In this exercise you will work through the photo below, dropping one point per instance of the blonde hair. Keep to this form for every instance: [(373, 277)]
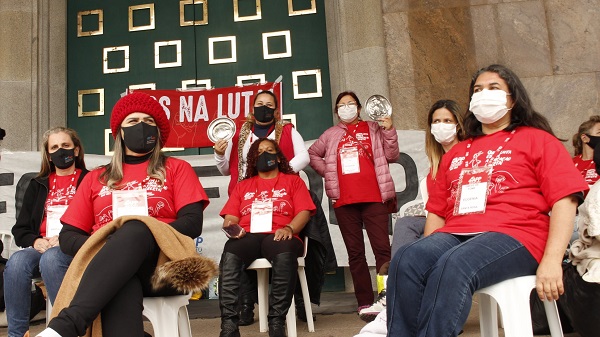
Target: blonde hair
[(433, 149), (113, 173), (47, 166), (584, 128)]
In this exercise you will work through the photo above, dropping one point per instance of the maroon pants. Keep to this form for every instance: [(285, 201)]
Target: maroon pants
[(374, 217)]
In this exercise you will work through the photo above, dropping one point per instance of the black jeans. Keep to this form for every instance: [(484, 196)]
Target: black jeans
[(114, 284)]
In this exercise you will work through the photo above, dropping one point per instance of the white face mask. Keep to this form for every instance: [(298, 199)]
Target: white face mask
[(348, 113), (444, 133), (489, 106)]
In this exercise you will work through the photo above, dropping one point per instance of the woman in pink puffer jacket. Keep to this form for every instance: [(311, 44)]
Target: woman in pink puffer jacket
[(353, 158)]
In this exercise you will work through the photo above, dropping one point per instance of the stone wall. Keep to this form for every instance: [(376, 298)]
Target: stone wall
[(433, 48), (32, 70)]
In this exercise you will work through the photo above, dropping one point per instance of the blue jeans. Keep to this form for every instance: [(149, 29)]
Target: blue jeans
[(23, 266), (407, 229), (431, 281)]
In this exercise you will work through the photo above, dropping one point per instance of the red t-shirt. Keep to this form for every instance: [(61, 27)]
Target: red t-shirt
[(61, 190), (587, 169), (92, 206), (288, 192), (531, 174), (361, 186)]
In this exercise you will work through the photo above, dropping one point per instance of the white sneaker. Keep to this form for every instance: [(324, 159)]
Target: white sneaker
[(48, 333), (368, 314)]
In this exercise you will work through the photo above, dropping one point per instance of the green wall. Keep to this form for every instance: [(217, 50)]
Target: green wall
[(85, 56)]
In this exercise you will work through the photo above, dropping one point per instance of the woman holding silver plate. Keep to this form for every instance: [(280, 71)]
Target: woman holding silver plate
[(356, 151), (264, 121)]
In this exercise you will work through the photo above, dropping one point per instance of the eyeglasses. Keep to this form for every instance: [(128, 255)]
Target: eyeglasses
[(349, 104)]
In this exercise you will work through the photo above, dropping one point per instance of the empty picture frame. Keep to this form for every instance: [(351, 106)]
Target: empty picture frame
[(236, 12), (98, 31), (106, 51), (206, 84), (288, 45), (149, 26), (319, 87), (183, 22), (158, 45), (211, 50), (256, 78), (80, 107), (311, 10)]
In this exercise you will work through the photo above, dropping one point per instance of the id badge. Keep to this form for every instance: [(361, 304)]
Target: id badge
[(349, 159), (472, 192), (53, 215), (130, 202), (261, 220)]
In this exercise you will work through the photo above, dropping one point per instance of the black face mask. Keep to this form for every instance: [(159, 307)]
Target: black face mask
[(594, 140), (266, 162), (264, 114), (140, 138), (597, 158), (63, 158)]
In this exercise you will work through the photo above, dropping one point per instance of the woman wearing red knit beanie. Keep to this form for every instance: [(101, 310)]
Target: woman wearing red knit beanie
[(139, 180)]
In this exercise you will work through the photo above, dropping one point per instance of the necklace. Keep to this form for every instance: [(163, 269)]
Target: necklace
[(491, 160), (70, 191)]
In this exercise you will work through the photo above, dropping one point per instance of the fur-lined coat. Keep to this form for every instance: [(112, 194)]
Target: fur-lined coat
[(178, 265)]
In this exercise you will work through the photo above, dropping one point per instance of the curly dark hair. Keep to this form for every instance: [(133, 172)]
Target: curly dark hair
[(522, 113), (251, 171)]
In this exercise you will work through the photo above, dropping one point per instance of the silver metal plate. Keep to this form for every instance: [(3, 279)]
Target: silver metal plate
[(378, 106), (222, 128)]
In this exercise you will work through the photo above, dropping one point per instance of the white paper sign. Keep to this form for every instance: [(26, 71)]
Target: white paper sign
[(53, 215), (130, 202), (261, 219)]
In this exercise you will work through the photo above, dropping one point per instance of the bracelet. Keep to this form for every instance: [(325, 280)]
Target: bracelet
[(290, 227)]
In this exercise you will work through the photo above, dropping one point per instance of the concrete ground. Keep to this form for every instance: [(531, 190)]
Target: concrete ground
[(336, 317)]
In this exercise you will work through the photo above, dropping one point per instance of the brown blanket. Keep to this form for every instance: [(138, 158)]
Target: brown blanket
[(178, 265)]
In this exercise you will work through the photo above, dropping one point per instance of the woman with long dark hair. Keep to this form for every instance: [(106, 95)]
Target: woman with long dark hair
[(271, 205), (489, 213)]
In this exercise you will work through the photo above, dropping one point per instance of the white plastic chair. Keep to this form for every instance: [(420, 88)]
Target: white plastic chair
[(9, 243), (168, 315), (262, 269), (512, 296)]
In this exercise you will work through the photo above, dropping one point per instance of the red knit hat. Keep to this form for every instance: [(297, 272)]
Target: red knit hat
[(140, 102)]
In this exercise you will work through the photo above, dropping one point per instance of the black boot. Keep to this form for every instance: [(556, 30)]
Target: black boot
[(248, 297), (230, 273), (283, 283)]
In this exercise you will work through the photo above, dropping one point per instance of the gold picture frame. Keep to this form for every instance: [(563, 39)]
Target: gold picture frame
[(149, 26), (81, 93), (183, 22), (142, 86), (100, 29), (311, 10)]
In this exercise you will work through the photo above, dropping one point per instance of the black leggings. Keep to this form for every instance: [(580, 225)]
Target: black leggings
[(114, 284), (258, 245)]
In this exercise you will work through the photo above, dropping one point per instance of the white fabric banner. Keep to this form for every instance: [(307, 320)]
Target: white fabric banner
[(212, 240)]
